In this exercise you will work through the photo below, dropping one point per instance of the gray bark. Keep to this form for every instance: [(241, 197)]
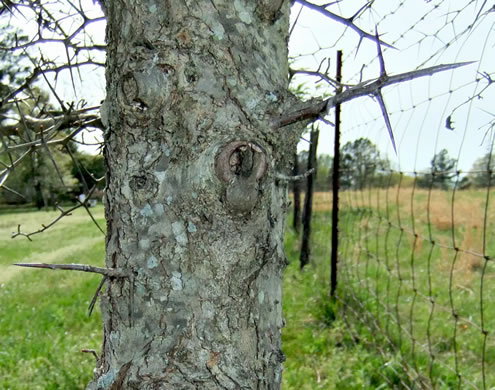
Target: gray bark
[(194, 216)]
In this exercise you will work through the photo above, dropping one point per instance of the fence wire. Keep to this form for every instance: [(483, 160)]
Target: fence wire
[(416, 258), (416, 267)]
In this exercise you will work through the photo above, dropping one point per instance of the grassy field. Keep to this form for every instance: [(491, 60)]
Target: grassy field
[(43, 314), (44, 323)]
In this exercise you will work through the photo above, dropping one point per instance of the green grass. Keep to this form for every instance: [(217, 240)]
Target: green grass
[(44, 323), (323, 351), (43, 314), (328, 345), (429, 300)]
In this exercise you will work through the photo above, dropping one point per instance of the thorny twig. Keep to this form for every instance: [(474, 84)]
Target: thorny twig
[(91, 351), (95, 296), (108, 272), (63, 213), (85, 205), (314, 109), (294, 178), (379, 95), (349, 22)]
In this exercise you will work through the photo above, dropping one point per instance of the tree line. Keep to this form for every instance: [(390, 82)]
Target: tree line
[(362, 166), (35, 180)]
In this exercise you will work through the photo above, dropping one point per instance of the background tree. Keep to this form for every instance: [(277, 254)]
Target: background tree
[(360, 164), (89, 170), (296, 192), (482, 172), (13, 67), (324, 173), (37, 180), (45, 177), (312, 163), (442, 172)]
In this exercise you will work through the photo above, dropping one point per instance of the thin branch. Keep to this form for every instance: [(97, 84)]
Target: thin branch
[(63, 213), (37, 71), (304, 175), (295, 22), (4, 187), (313, 110), (108, 272), (349, 22), (322, 76), (95, 297), (85, 205), (91, 351), (50, 156), (60, 122), (5, 172)]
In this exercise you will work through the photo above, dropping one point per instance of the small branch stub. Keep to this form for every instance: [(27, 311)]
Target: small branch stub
[(234, 157), (241, 165)]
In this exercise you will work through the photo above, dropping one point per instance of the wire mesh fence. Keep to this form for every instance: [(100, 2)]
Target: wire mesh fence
[(417, 268), (416, 258), (416, 255)]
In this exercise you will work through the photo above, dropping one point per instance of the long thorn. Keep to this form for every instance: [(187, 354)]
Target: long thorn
[(109, 272), (381, 102)]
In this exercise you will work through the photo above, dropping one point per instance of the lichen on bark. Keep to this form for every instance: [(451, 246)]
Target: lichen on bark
[(202, 306)]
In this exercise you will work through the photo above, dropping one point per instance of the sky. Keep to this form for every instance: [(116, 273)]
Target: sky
[(422, 32)]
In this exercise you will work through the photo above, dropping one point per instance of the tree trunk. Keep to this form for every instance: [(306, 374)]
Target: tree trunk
[(296, 191), (195, 218), (308, 201), (38, 195)]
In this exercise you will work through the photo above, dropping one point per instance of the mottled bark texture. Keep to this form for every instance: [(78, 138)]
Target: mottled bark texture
[(195, 216)]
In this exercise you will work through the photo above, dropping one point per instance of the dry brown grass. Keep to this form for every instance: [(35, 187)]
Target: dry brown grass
[(422, 209)]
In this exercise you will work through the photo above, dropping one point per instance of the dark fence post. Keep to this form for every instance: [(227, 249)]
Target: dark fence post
[(308, 200), (296, 191), (335, 186)]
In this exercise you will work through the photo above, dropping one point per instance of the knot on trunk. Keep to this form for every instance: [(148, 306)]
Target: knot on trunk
[(240, 165)]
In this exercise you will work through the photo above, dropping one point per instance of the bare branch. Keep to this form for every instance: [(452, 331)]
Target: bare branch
[(50, 156), (91, 351), (5, 172), (294, 178), (60, 122), (38, 71), (349, 22), (4, 187), (85, 205), (63, 213), (295, 22), (108, 272), (322, 76), (95, 297), (313, 110)]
